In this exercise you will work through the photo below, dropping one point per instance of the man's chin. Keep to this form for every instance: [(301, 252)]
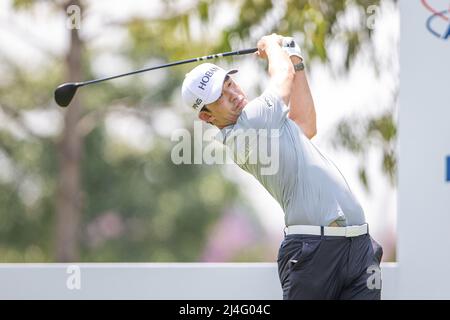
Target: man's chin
[(242, 106), (235, 119)]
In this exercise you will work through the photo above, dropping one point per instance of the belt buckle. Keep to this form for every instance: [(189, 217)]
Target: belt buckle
[(351, 231)]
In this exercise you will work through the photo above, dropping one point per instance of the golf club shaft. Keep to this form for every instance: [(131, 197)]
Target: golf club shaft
[(212, 56)]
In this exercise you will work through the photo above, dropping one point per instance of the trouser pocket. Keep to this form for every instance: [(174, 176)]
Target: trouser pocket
[(295, 260), (295, 254), (305, 255)]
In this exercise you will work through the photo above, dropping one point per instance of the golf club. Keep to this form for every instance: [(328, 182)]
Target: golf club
[(65, 92)]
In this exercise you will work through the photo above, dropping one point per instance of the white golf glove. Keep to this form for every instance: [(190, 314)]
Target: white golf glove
[(291, 47)]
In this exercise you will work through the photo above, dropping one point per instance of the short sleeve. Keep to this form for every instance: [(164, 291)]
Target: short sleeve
[(268, 111)]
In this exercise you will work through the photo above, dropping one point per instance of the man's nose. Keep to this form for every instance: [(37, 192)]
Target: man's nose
[(233, 94)]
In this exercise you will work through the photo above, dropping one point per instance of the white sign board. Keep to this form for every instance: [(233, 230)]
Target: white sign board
[(424, 149)]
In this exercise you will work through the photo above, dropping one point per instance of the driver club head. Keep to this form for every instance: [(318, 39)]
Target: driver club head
[(64, 93)]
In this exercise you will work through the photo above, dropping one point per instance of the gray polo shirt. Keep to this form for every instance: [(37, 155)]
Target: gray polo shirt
[(309, 187)]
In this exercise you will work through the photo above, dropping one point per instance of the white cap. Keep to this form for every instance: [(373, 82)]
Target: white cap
[(203, 85)]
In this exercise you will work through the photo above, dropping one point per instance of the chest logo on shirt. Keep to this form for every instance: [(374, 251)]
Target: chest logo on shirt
[(269, 104)]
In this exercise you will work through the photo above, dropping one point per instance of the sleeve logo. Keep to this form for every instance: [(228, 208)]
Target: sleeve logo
[(268, 102)]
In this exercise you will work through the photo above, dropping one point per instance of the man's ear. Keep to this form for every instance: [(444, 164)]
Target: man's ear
[(206, 116)]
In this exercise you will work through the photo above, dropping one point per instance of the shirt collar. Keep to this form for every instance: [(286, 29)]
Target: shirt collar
[(223, 133)]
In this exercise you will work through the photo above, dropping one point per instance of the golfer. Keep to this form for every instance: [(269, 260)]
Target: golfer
[(327, 252)]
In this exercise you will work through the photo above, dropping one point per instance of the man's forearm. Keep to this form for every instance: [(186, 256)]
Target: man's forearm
[(281, 71), (302, 110)]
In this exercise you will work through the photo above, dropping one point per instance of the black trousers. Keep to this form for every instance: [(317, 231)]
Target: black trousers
[(330, 267)]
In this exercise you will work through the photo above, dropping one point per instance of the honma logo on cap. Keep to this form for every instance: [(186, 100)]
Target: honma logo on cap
[(206, 77), (202, 85)]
